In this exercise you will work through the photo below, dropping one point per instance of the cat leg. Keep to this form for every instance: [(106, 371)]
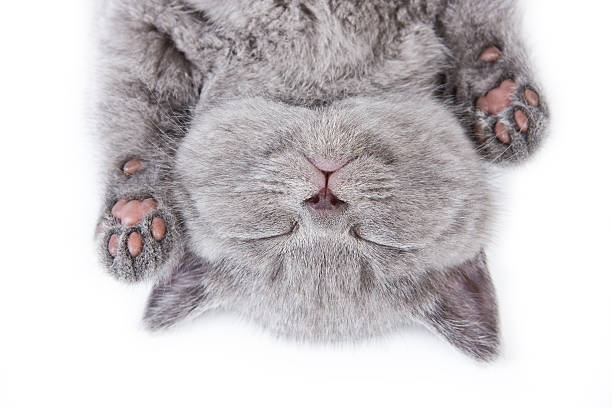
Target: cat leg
[(491, 81), (149, 87)]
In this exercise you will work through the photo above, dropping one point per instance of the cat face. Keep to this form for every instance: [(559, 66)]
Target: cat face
[(380, 182)]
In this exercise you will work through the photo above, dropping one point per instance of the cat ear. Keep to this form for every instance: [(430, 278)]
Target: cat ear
[(464, 310), (184, 294)]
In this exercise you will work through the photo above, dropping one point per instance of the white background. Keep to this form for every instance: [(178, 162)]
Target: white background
[(71, 335)]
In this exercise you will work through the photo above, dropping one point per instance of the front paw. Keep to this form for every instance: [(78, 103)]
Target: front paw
[(509, 118), (508, 121), (137, 235)]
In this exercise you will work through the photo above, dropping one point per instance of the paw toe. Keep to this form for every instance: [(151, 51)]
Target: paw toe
[(135, 244), (522, 122), (532, 98), (501, 131), (113, 245), (158, 228)]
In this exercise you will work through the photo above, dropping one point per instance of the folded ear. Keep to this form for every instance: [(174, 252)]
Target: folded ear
[(463, 308), (184, 294)]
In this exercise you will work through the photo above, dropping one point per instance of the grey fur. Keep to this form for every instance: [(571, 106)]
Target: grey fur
[(226, 101)]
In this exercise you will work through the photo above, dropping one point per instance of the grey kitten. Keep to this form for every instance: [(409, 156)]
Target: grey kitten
[(318, 166)]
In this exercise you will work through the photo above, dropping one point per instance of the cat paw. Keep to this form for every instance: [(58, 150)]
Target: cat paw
[(131, 214), (135, 236), (510, 118)]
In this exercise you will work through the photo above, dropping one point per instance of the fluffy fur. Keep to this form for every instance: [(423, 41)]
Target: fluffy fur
[(226, 101)]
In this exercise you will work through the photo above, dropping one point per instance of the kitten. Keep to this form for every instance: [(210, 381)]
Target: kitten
[(317, 166)]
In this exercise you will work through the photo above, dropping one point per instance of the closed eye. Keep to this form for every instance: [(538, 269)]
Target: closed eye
[(294, 228), (354, 231)]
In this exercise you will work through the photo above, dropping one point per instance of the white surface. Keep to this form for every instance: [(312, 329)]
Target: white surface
[(71, 335)]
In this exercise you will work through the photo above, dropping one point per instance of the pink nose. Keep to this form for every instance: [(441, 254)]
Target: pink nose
[(324, 200)]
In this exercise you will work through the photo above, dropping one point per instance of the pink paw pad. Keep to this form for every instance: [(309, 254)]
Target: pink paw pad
[(522, 122), (134, 244), (497, 99), (491, 54), (158, 228), (131, 213), (113, 245), (132, 167), (501, 131), (532, 98)]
